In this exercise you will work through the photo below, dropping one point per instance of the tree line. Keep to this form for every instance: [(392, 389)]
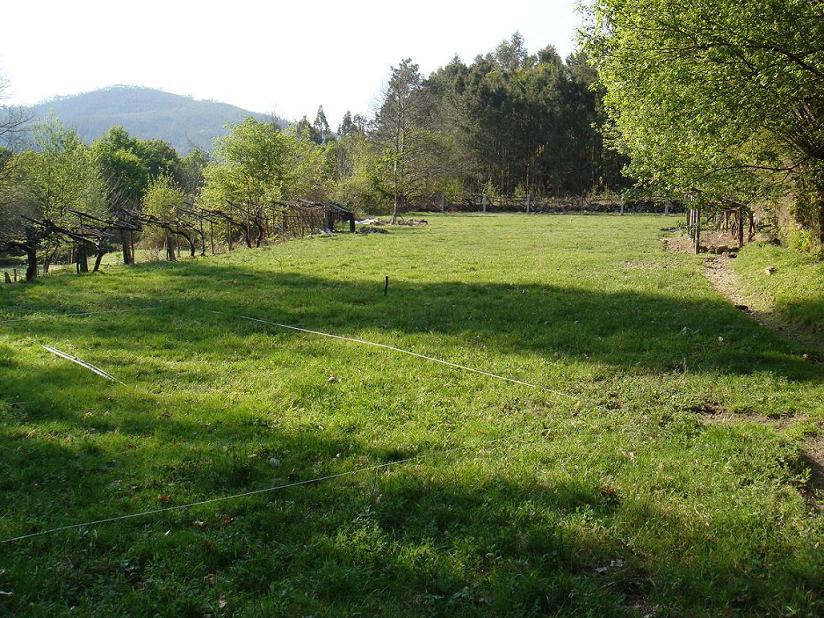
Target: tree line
[(509, 124)]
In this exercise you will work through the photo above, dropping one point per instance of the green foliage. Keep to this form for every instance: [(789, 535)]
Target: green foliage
[(250, 166), (191, 170), (521, 119), (129, 164), (61, 176), (719, 98), (163, 198)]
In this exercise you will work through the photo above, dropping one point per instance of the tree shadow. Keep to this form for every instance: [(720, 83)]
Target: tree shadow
[(628, 330)]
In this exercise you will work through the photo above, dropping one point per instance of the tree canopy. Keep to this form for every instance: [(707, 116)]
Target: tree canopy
[(719, 99)]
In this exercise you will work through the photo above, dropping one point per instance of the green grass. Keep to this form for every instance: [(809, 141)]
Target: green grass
[(794, 290), (632, 497)]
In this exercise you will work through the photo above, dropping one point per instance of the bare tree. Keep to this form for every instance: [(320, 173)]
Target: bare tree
[(13, 119)]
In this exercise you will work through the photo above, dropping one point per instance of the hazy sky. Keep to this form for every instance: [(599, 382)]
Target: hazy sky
[(283, 57)]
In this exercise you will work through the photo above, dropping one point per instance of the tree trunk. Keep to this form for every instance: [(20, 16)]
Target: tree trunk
[(128, 254), (82, 258), (740, 227), (170, 248), (100, 253), (697, 238), (31, 262)]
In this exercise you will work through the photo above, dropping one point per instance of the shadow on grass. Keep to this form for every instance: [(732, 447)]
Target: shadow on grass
[(629, 330), (414, 544)]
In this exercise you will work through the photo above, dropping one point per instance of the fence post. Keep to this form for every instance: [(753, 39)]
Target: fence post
[(740, 226)]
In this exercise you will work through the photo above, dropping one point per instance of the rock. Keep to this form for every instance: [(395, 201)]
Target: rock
[(274, 462)]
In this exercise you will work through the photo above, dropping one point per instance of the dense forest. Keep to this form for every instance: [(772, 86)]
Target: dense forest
[(714, 105)]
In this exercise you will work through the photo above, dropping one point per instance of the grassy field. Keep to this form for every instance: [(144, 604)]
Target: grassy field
[(794, 289), (671, 483)]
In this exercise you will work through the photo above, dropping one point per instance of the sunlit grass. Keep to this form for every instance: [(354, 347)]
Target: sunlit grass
[(630, 496)]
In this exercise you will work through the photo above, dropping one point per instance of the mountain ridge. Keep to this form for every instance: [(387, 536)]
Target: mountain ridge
[(147, 113)]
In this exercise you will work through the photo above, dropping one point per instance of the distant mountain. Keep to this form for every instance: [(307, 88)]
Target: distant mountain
[(145, 113)]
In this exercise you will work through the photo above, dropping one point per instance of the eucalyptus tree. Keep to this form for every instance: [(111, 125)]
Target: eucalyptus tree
[(410, 149), (321, 127)]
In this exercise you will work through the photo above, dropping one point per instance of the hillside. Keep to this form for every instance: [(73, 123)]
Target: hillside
[(182, 121)]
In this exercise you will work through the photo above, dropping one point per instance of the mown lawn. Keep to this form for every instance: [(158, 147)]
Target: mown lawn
[(672, 483)]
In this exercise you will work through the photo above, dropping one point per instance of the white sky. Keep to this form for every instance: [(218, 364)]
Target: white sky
[(283, 57)]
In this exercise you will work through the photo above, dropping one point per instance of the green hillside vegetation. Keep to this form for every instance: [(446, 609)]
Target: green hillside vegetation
[(146, 113)]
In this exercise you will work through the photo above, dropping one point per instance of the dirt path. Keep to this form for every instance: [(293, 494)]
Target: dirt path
[(718, 269)]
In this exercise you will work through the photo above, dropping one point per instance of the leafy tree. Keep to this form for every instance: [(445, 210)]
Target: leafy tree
[(404, 136), (250, 173), (51, 195), (129, 165), (191, 170), (719, 99), (347, 125), (165, 206), (322, 132)]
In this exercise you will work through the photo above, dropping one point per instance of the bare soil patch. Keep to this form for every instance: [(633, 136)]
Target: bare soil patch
[(813, 458)]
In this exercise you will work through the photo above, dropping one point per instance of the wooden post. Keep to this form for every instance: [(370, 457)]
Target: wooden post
[(14, 270), (697, 215), (352, 223), (740, 226), (6, 276), (443, 202)]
